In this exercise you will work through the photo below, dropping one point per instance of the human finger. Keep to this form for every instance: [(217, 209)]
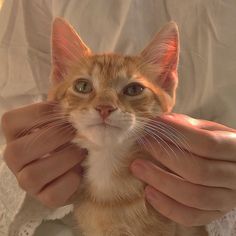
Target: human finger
[(33, 177), (17, 120), (192, 195), (58, 192), (178, 212), (201, 142), (26, 149), (200, 123), (193, 168)]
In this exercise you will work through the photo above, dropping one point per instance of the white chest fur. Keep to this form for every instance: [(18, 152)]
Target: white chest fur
[(102, 166)]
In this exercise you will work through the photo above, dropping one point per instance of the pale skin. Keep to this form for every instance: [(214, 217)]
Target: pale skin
[(53, 180), (204, 186), (202, 190)]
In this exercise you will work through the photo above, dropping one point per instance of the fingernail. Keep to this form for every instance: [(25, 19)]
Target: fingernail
[(79, 169), (168, 116), (139, 167), (83, 152)]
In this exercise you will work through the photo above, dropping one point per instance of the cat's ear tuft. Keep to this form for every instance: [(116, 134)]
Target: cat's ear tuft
[(162, 55), (67, 48)]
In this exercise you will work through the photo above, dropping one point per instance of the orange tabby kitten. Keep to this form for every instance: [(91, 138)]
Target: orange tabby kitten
[(109, 98)]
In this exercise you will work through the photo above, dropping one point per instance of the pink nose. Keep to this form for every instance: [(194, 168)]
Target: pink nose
[(105, 110)]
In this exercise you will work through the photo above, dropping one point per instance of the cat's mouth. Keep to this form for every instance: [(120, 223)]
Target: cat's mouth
[(103, 125)]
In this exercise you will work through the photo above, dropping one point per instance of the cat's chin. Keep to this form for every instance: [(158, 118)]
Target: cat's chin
[(104, 134)]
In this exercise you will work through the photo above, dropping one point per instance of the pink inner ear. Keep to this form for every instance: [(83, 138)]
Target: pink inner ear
[(169, 63), (170, 57), (65, 54), (162, 54), (67, 48)]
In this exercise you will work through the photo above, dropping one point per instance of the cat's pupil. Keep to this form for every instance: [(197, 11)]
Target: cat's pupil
[(133, 89)]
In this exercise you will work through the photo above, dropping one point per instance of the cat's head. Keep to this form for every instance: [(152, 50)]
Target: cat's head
[(111, 96)]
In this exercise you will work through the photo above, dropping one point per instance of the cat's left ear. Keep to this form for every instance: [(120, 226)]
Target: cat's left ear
[(161, 55), (67, 48)]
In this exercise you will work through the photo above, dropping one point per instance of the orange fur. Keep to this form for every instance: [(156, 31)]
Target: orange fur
[(111, 200)]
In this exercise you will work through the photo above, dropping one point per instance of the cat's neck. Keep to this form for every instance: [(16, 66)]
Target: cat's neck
[(107, 176)]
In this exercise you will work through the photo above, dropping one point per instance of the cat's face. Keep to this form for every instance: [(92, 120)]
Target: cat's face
[(110, 97)]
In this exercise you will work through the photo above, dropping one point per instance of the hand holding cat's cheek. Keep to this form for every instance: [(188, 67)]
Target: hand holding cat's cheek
[(207, 186), (53, 178)]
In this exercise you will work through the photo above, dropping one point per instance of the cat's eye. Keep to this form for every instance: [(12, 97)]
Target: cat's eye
[(83, 86), (133, 89)]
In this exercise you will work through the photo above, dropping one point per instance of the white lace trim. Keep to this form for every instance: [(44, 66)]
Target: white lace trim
[(11, 197), (225, 226), (31, 216)]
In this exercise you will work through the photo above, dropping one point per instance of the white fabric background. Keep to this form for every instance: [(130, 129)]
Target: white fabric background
[(207, 68)]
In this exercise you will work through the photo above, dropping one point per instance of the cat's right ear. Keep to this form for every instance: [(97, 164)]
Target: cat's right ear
[(161, 56), (67, 48)]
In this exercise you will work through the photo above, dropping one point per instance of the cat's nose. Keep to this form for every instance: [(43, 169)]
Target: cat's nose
[(105, 110)]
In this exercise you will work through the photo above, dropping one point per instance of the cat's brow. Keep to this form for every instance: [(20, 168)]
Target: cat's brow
[(109, 64)]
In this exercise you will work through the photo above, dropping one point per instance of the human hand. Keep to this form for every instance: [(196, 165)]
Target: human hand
[(40, 154), (200, 185)]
